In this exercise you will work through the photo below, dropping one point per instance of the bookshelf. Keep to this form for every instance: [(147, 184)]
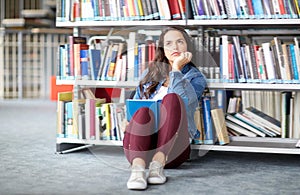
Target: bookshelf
[(237, 26)]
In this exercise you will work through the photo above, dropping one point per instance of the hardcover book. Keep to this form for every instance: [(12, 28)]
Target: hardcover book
[(132, 105), (220, 126)]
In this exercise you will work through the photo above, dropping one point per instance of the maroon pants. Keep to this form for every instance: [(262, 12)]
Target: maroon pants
[(172, 138)]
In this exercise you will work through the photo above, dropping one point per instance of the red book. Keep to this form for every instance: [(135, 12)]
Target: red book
[(174, 9), (249, 4), (281, 6)]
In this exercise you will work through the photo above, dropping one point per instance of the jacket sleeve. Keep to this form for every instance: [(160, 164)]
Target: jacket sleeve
[(189, 87)]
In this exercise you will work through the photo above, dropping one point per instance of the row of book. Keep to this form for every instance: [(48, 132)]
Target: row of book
[(241, 60), (89, 118), (92, 118), (114, 60), (218, 122), (281, 105), (227, 59), (107, 10)]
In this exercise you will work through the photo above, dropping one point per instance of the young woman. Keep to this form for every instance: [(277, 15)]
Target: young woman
[(171, 78)]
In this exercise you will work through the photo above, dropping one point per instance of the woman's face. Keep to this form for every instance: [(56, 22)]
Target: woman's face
[(174, 44)]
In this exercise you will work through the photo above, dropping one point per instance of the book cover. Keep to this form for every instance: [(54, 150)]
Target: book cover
[(132, 105), (95, 62), (207, 120), (175, 9), (220, 126), (258, 9)]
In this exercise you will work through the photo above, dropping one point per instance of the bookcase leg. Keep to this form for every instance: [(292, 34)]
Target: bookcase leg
[(64, 148)]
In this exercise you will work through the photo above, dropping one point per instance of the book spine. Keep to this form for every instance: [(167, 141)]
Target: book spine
[(208, 128), (175, 10)]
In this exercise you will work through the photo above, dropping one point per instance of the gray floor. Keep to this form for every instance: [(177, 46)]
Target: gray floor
[(29, 164)]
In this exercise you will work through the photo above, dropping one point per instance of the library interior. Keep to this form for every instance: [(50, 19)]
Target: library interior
[(75, 73)]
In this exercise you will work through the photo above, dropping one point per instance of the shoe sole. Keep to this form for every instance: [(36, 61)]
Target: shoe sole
[(156, 181), (136, 187)]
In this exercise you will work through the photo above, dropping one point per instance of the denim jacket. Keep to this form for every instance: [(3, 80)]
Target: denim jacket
[(189, 83)]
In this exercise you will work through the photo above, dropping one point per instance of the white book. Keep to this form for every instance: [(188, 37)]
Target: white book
[(254, 124), (130, 55), (166, 8), (263, 120), (240, 129), (268, 60), (224, 55), (245, 125), (280, 58)]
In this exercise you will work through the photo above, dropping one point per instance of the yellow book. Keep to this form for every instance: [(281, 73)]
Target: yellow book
[(140, 7), (220, 125)]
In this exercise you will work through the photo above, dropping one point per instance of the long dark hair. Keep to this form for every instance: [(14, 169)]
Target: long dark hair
[(159, 69)]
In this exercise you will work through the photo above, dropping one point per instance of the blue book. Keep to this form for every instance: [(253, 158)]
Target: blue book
[(207, 121), (84, 63), (258, 9), (95, 62), (69, 119), (294, 62), (132, 105)]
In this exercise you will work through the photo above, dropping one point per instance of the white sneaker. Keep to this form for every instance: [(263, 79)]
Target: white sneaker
[(156, 173), (137, 180)]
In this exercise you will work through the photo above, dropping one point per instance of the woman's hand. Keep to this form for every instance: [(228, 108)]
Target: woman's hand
[(181, 60)]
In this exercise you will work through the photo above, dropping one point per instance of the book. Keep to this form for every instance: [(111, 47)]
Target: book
[(240, 129), (72, 41), (174, 9), (62, 99), (207, 120), (69, 120), (244, 124), (269, 61), (241, 116), (95, 62), (198, 118), (90, 112), (220, 126), (265, 119), (132, 105), (84, 63)]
